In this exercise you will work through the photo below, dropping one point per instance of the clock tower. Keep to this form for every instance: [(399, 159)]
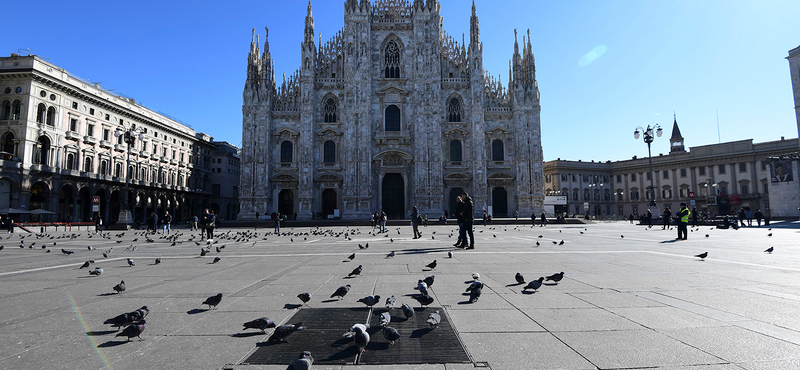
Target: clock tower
[(676, 140)]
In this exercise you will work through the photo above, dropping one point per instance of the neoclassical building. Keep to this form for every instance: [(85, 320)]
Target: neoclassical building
[(60, 151), (390, 113)]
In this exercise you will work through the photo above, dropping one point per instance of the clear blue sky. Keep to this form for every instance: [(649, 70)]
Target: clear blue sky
[(604, 67)]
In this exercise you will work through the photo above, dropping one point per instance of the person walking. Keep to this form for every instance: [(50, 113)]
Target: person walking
[(544, 219), (372, 220), (416, 219), (683, 221), (97, 223), (212, 220), (278, 223), (154, 220), (204, 225), (468, 214), (742, 214), (485, 217), (167, 223), (382, 221), (667, 215), (194, 223), (461, 242), (694, 216), (425, 221), (533, 219), (749, 215), (759, 216), (516, 215)]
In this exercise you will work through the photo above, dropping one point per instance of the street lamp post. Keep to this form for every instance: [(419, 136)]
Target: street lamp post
[(129, 136), (648, 138)]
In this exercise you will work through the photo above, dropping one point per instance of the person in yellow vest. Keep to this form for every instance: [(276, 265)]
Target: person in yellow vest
[(683, 221)]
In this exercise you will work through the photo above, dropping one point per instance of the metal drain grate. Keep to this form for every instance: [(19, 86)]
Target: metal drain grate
[(323, 338)]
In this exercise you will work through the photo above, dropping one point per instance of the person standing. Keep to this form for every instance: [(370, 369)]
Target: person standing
[(204, 225), (544, 219), (167, 223), (485, 217), (683, 221), (425, 221), (382, 221), (667, 215), (372, 221), (468, 213), (97, 223), (461, 242), (749, 215), (516, 215), (154, 220), (416, 219), (278, 223), (533, 219), (212, 220), (759, 216), (694, 216), (194, 223)]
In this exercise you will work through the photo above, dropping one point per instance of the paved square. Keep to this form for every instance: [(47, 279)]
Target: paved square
[(642, 301)]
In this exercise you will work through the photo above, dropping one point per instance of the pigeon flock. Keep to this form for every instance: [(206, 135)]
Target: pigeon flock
[(132, 324)]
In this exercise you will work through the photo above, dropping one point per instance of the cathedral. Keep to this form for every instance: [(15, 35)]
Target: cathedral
[(389, 113)]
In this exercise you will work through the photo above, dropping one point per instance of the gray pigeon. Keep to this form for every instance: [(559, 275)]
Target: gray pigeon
[(390, 302), (407, 311), (390, 334), (283, 331), (130, 262), (85, 265), (422, 287), (361, 337), (431, 265), (475, 289), (341, 292), (158, 260), (216, 259), (134, 330), (303, 362), (96, 272), (356, 271), (124, 319), (119, 288), (556, 277), (769, 250), (519, 278), (390, 255), (429, 280), (385, 319), (370, 300), (213, 300), (305, 297), (424, 300), (262, 324), (535, 285), (434, 319), (702, 256)]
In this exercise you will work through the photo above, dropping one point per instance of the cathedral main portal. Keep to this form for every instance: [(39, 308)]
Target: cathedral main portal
[(393, 194)]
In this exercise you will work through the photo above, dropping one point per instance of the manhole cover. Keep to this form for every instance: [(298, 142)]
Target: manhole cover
[(323, 338)]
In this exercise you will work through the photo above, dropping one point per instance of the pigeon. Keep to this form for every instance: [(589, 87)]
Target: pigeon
[(390, 302), (96, 272), (216, 259), (561, 243), (423, 299), (449, 254), (351, 257), (702, 256), (434, 319), (341, 291), (555, 242), (361, 337), (385, 318), (303, 362), (370, 300), (519, 278), (476, 276), (769, 250), (158, 260), (283, 331), (356, 271), (431, 265), (556, 277), (422, 287), (134, 330), (142, 312), (770, 234), (390, 334), (475, 289), (130, 262), (89, 247), (261, 324), (390, 255), (305, 297), (535, 285), (119, 288), (407, 311), (429, 280), (622, 236), (706, 235), (213, 300), (124, 320), (537, 243), (202, 252), (85, 264), (62, 251)]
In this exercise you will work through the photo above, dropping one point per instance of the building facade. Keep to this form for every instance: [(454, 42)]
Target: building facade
[(390, 113), (59, 149), (225, 173), (715, 178)]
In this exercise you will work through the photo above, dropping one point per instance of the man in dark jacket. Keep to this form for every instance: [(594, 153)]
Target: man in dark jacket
[(468, 213), (462, 237)]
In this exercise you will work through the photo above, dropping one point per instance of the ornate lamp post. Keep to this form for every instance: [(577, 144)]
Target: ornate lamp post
[(129, 136), (648, 138)]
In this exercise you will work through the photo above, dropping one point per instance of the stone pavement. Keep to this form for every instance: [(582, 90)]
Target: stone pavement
[(642, 301)]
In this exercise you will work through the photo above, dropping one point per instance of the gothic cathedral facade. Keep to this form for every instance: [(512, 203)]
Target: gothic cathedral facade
[(390, 113)]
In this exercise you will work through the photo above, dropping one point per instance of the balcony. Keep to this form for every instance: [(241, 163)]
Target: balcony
[(134, 151), (163, 159), (91, 140), (144, 154), (173, 162), (72, 135), (189, 165), (119, 147), (106, 144), (181, 164)]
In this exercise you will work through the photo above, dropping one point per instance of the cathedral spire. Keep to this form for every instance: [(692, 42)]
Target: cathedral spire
[(474, 29), (309, 31)]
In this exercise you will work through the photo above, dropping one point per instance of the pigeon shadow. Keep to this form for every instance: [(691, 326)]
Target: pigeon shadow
[(268, 343), (465, 302), (669, 241), (291, 306), (515, 284), (349, 352), (349, 277), (530, 291), (550, 284), (101, 332), (247, 334), (111, 343), (197, 310), (342, 341), (330, 300), (420, 332), (106, 294), (86, 277)]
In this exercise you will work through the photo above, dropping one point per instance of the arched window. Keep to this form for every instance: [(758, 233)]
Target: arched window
[(41, 111), (87, 165), (330, 110), (329, 152), (286, 151), (16, 108), (392, 118), (391, 68), (118, 170), (5, 110), (51, 116), (454, 110), (143, 175), (172, 179), (104, 167), (497, 150), (8, 142), (70, 161), (42, 151), (455, 151), (180, 180), (153, 176)]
